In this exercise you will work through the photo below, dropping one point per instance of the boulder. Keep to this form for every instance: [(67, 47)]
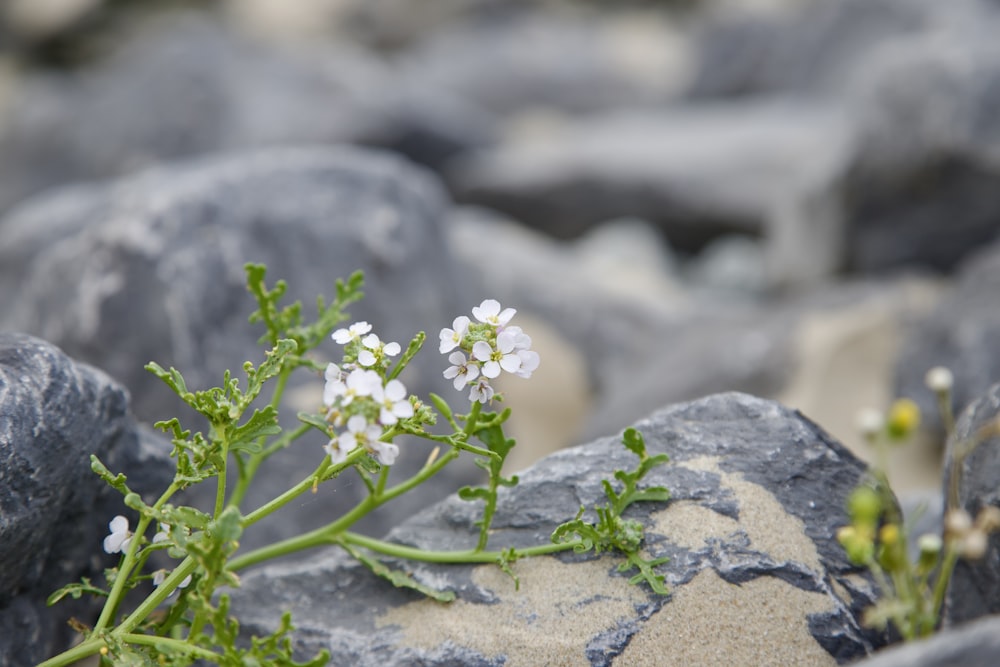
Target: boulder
[(755, 574), (695, 171), (974, 644), (975, 585), (55, 413), (186, 85), (150, 268)]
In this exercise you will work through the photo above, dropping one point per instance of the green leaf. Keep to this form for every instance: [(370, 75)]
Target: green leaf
[(316, 421), (246, 437), (398, 578), (411, 351), (115, 481), (75, 591), (633, 441)]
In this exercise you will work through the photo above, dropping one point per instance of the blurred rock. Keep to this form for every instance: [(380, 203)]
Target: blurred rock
[(814, 48), (975, 584), (151, 268), (572, 62), (755, 574), (971, 645), (186, 86), (697, 172), (55, 413)]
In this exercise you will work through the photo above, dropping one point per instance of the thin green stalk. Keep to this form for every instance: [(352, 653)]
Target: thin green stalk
[(465, 556), (178, 644), (330, 533), (249, 470), (300, 488)]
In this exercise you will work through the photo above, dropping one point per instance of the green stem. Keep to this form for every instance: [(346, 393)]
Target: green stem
[(466, 556), (300, 488), (330, 533), (944, 577), (249, 471), (179, 645), (128, 563)]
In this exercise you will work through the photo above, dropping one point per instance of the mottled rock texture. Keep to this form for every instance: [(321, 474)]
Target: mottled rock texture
[(755, 573)]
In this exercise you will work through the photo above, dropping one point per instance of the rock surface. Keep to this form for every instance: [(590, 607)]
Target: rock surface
[(972, 645), (55, 413), (755, 574), (150, 268)]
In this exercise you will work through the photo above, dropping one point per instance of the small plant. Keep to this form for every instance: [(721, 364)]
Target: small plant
[(913, 588), (365, 407)]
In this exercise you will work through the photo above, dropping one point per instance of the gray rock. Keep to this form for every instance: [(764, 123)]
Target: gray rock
[(975, 585), (975, 644), (55, 413), (570, 62), (151, 268), (962, 333), (815, 48), (187, 86), (755, 573), (697, 172)]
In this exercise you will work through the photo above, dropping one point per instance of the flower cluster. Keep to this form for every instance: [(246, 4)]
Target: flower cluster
[(359, 401), (479, 351)]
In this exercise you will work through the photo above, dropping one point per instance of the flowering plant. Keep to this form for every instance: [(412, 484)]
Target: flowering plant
[(913, 586), (365, 407)]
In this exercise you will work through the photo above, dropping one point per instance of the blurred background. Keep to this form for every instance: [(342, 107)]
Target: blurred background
[(799, 199)]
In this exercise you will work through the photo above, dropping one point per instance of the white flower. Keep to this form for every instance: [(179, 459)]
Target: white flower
[(522, 341), (462, 371), (503, 357), (336, 452), (120, 536), (360, 382), (353, 332), (160, 575), (489, 312), (481, 391), (529, 363), (385, 452), (452, 338), (359, 433), (373, 348), (393, 402)]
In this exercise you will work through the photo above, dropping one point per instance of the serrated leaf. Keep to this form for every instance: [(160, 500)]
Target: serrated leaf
[(261, 423), (398, 578)]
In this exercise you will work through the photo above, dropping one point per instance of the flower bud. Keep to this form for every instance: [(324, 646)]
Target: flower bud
[(870, 422), (864, 505), (974, 545), (939, 380), (930, 546), (957, 523), (903, 420), (988, 519)]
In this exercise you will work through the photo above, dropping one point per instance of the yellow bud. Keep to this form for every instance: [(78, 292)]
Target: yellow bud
[(889, 535), (904, 418)]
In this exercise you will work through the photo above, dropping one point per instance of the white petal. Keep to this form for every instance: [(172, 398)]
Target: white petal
[(386, 452), (510, 363), (482, 351), (457, 358), (505, 342), (386, 416), (391, 349), (341, 336), (403, 409), (119, 524), (452, 371), (356, 424), (366, 358), (504, 317), (461, 325), (371, 341), (395, 390), (487, 310), (491, 369)]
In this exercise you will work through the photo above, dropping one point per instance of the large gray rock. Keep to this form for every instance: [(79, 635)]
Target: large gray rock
[(975, 585), (755, 573), (55, 413), (150, 268), (697, 171), (187, 86), (972, 645)]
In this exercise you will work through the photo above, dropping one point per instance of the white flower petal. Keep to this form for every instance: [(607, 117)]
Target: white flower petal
[(366, 358), (491, 369), (482, 351), (391, 349), (510, 363)]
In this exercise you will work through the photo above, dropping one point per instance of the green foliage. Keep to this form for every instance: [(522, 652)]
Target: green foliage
[(612, 532), (187, 618)]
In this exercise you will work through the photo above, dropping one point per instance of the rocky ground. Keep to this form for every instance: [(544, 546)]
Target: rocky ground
[(792, 199)]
